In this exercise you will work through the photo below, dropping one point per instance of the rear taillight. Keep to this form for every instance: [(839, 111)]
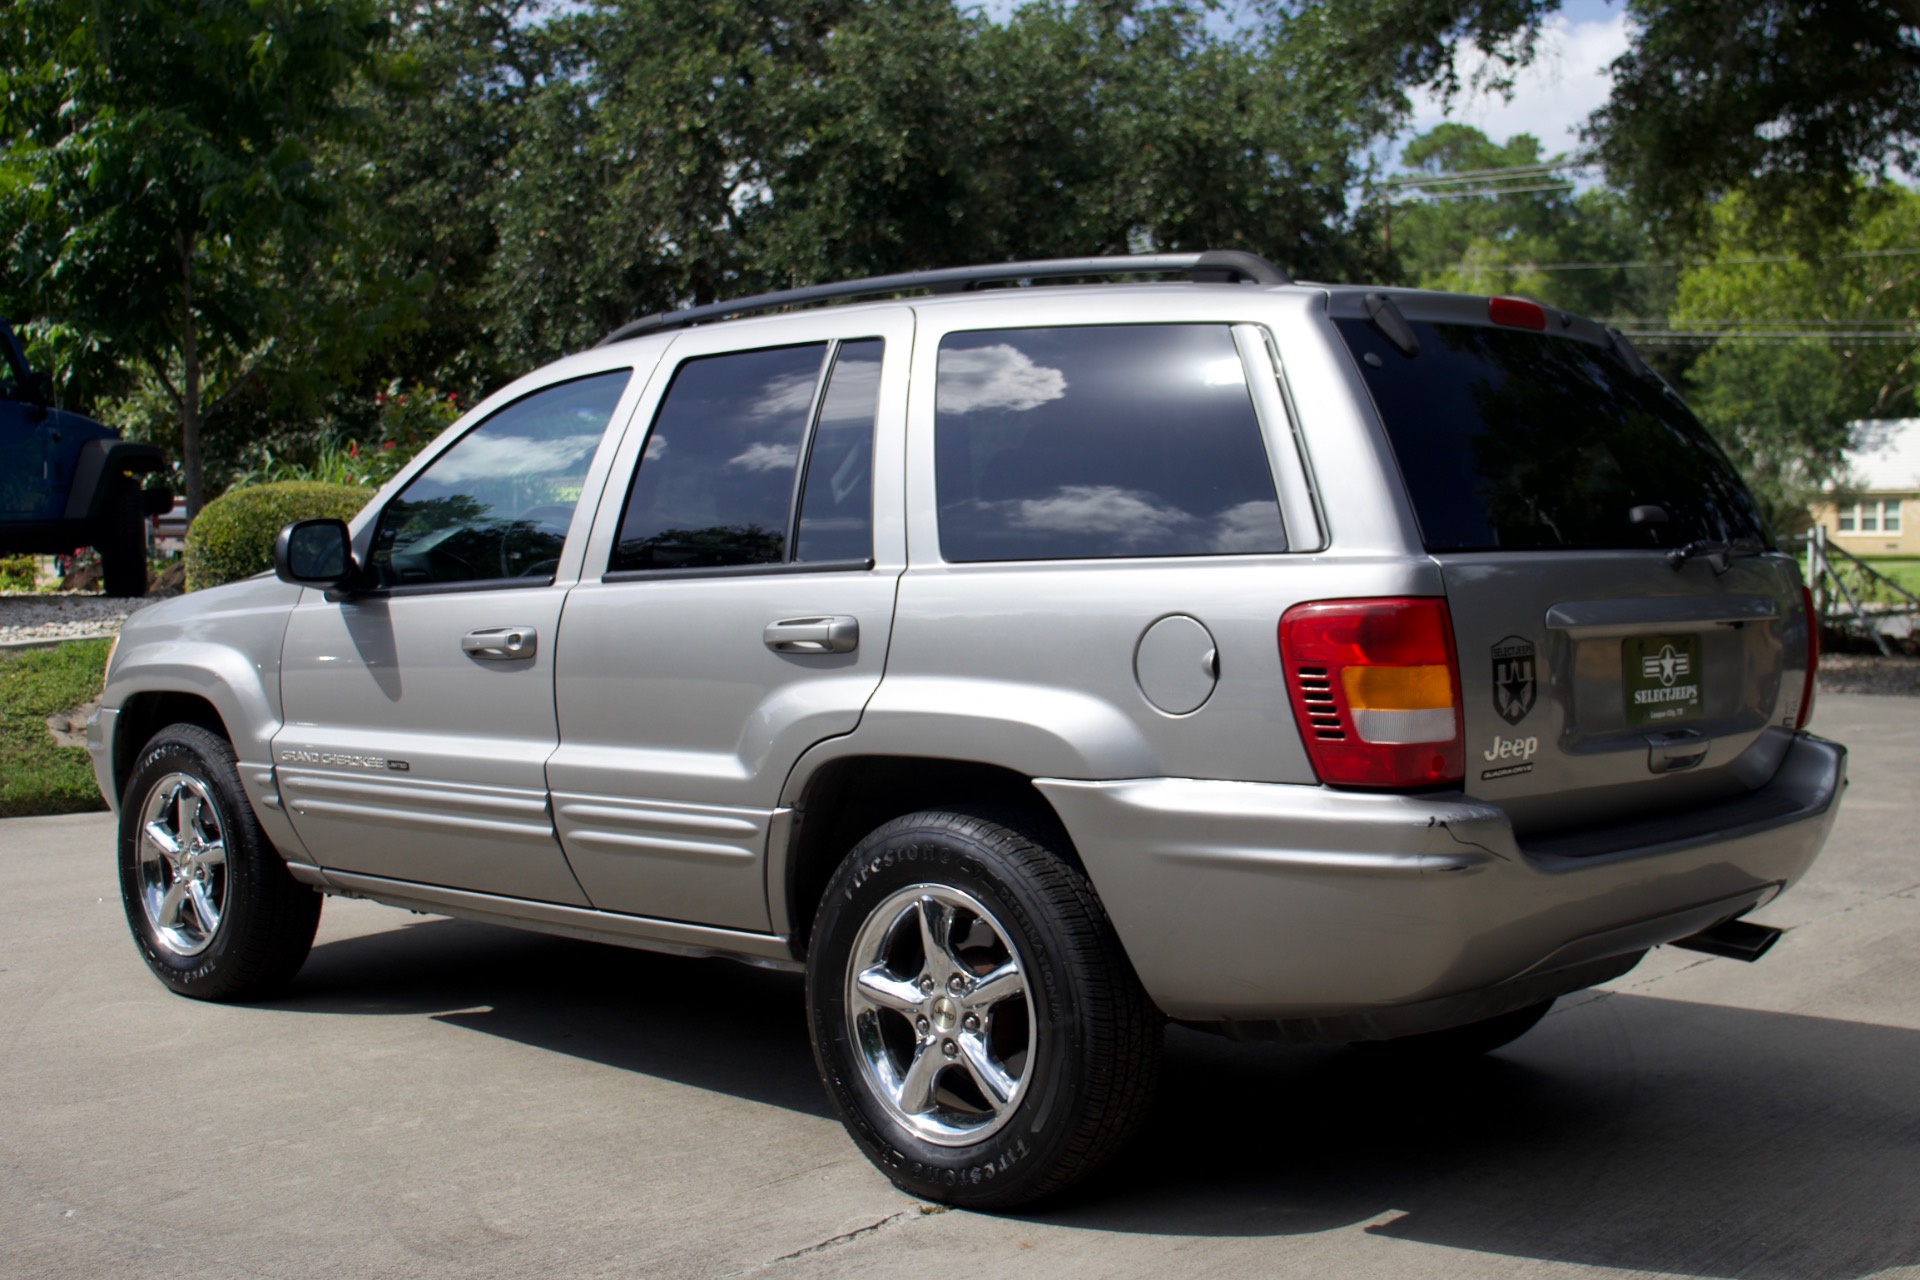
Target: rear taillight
[(1813, 658), (1376, 690)]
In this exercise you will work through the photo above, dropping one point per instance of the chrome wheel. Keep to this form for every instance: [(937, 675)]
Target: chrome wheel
[(181, 863), (939, 1014)]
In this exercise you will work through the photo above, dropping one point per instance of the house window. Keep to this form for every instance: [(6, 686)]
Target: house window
[(1868, 517)]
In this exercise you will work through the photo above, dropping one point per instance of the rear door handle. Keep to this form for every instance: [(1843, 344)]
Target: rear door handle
[(838, 634), (500, 644)]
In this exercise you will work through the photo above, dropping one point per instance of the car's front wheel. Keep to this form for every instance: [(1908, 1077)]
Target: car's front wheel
[(210, 902), (974, 1019)]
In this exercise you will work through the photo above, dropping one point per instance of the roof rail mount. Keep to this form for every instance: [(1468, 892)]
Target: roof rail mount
[(1224, 266)]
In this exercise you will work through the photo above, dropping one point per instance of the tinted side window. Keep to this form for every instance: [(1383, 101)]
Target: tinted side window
[(715, 485), (836, 507), (497, 504), (1097, 441)]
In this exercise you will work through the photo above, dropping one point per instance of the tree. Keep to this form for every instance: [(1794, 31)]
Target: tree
[(172, 198), (1808, 345), (1790, 101), (1486, 232)]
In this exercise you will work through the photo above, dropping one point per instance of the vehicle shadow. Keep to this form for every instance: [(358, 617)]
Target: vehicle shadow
[(1626, 1132)]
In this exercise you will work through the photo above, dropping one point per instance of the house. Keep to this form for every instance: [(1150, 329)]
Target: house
[(1875, 510)]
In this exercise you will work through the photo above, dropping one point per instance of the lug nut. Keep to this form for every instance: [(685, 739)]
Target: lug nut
[(949, 1048), (972, 1023), (926, 986), (956, 984), (921, 1025)]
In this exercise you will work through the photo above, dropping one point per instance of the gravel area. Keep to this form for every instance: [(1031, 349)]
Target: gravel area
[(1869, 673), (37, 617)]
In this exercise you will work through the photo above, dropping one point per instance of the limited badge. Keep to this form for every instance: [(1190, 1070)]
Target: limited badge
[(1514, 686)]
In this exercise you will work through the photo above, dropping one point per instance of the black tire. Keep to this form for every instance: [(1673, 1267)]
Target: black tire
[(263, 920), (122, 540), (1460, 1044), (1082, 1084)]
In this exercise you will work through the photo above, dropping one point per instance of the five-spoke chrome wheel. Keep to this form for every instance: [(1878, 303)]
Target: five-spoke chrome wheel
[(938, 1009), (182, 863)]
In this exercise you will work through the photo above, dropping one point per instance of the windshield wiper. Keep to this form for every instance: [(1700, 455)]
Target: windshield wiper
[(1719, 554)]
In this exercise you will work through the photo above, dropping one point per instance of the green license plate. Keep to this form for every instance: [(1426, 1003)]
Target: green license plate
[(1661, 675)]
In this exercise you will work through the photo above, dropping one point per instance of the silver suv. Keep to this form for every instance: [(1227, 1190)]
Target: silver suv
[(1030, 660)]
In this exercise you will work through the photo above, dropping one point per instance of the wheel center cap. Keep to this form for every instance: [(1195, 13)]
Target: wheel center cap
[(946, 1014)]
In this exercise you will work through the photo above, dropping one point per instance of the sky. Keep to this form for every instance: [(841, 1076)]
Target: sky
[(1566, 82)]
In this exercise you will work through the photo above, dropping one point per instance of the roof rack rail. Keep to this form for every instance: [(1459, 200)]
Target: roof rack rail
[(1215, 265)]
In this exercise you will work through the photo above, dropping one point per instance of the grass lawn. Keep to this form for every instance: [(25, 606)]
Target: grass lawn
[(35, 775), (1904, 572)]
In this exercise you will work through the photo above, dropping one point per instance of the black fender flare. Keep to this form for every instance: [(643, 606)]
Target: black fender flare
[(103, 461)]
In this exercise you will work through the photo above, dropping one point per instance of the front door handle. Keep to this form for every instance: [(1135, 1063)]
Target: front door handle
[(838, 634), (500, 644)]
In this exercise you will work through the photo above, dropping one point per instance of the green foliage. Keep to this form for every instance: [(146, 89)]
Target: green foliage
[(1780, 400), (406, 422), (1789, 101), (35, 775), (19, 573), (174, 209), (233, 535)]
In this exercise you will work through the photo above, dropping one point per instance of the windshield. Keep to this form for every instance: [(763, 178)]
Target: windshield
[(1516, 440)]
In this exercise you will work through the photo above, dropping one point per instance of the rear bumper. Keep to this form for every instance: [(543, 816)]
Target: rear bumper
[(1351, 916)]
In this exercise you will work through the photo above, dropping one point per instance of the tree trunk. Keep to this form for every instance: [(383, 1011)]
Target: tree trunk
[(190, 460)]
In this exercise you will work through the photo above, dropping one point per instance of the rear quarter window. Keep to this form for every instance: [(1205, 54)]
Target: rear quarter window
[(1100, 441)]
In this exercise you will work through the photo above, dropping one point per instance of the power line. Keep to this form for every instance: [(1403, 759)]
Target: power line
[(1482, 192), (1701, 262), (1482, 175)]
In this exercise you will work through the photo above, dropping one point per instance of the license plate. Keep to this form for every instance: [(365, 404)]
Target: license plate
[(1661, 675)]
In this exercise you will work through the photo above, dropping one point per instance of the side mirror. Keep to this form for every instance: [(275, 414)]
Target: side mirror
[(315, 553)]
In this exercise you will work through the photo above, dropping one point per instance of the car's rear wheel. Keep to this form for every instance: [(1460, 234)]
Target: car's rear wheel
[(974, 1019), (210, 902)]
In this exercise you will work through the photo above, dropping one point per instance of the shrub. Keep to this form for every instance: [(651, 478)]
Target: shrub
[(19, 573), (233, 535)]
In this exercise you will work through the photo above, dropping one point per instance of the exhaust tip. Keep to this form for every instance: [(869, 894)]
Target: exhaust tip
[(1734, 939)]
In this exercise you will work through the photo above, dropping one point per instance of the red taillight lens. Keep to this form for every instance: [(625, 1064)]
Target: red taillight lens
[(1813, 658), (1517, 313), (1376, 690)]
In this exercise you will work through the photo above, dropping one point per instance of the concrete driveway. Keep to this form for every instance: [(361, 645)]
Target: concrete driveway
[(436, 1098)]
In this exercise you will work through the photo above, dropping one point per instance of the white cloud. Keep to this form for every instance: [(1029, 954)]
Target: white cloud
[(1100, 508), (765, 457), (485, 457), (853, 393), (1251, 526), (997, 377), (1567, 81), (785, 396)]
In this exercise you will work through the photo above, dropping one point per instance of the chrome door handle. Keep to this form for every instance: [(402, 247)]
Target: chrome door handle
[(500, 644), (813, 635)]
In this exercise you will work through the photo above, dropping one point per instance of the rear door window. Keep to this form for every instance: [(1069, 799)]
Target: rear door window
[(1100, 441), (720, 484), (1526, 441)]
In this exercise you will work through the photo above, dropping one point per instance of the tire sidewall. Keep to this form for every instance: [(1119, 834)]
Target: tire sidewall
[(175, 751), (1025, 1148)]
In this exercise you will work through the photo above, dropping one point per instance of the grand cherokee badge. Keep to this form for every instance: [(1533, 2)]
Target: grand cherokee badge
[(1513, 682)]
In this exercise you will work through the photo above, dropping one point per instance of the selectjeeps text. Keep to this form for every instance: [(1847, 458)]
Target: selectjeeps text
[(1030, 660)]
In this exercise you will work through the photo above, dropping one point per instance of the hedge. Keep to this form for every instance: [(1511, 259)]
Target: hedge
[(233, 535)]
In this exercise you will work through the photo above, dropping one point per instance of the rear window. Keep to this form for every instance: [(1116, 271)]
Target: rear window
[(1517, 440)]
